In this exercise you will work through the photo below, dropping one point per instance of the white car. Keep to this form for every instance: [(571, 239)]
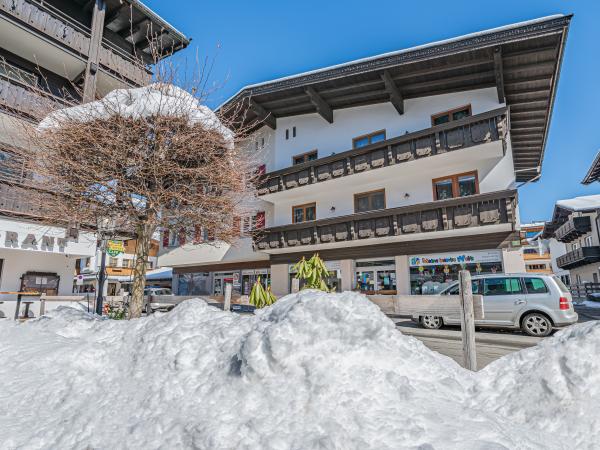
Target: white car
[(156, 304)]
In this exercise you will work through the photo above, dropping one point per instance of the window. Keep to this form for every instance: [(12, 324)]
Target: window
[(17, 74), (449, 116), (452, 186), (588, 241), (287, 134), (536, 266), (304, 213), (293, 131), (305, 157), (502, 286), (113, 262), (125, 263), (369, 201), (251, 223), (368, 139), (535, 286), (530, 251), (455, 290)]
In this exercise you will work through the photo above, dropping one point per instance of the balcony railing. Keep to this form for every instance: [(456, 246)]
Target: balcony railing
[(580, 257), (467, 132), (32, 102), (458, 213), (51, 22), (15, 201), (573, 228)]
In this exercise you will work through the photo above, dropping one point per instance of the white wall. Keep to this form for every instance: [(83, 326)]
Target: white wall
[(313, 132)]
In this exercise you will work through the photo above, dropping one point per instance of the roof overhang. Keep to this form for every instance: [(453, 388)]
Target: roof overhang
[(593, 173), (522, 61)]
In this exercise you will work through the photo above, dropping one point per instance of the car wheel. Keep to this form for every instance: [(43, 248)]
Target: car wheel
[(431, 322), (536, 324)]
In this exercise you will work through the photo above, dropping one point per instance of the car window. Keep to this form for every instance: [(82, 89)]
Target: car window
[(455, 290), (535, 286), (563, 288), (501, 286)]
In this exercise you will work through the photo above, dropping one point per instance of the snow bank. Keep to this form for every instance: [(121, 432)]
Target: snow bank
[(157, 99), (314, 371)]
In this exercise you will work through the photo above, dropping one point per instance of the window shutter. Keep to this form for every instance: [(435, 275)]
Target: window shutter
[(165, 238), (181, 236), (260, 220)]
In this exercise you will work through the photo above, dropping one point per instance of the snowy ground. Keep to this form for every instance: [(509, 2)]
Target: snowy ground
[(315, 371)]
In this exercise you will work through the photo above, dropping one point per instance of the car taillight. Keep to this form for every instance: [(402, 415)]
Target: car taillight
[(564, 303)]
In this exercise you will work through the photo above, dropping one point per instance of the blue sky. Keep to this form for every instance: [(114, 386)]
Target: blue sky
[(261, 40)]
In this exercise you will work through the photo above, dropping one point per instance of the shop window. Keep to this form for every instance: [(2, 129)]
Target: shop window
[(454, 186), (535, 286), (305, 157), (304, 213), (368, 139), (378, 276), (502, 286), (369, 201), (451, 115)]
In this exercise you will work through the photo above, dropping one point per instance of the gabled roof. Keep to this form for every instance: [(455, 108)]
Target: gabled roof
[(593, 173), (521, 60), (564, 208)]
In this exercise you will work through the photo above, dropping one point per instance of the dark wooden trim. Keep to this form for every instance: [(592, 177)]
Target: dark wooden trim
[(323, 108), (369, 135), (499, 74), (93, 59), (304, 206), (222, 267), (369, 193), (416, 247), (393, 91), (454, 179), (263, 115), (449, 113)]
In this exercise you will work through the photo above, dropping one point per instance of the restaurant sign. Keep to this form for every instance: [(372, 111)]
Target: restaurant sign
[(115, 248), (444, 259)]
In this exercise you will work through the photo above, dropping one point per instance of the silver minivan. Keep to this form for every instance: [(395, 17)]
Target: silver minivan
[(534, 303)]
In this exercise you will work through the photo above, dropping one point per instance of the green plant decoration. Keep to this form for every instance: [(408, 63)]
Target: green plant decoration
[(261, 297), (313, 272)]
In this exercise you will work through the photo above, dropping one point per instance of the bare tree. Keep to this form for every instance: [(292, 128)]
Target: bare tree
[(150, 158)]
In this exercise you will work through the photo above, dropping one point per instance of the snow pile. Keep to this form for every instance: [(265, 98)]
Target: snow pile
[(314, 371), (157, 99)]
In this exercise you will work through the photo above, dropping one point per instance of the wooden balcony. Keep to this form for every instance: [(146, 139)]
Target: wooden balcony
[(483, 128), (580, 257), (15, 202), (15, 97), (72, 35), (573, 229), (458, 213)]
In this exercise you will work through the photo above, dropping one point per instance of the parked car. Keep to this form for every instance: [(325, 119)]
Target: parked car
[(156, 305), (534, 303)]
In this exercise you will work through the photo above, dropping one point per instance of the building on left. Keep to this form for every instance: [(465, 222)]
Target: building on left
[(74, 52)]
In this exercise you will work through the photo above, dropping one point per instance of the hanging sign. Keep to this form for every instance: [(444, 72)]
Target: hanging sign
[(115, 248)]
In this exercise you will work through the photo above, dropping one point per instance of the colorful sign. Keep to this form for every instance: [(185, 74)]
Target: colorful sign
[(115, 248), (446, 259)]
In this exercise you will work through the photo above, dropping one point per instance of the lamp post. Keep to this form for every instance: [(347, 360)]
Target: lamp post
[(106, 226)]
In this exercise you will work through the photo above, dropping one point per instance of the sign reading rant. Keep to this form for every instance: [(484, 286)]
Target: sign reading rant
[(455, 258), (115, 248), (29, 241)]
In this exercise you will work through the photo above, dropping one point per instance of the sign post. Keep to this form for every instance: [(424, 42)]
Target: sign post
[(467, 320), (227, 299)]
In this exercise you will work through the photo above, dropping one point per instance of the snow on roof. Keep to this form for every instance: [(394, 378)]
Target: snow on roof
[(398, 52), (584, 203), (157, 99)]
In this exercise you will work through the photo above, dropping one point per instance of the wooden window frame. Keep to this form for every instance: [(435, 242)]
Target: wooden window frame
[(362, 194), (305, 156), (304, 207), (368, 135), (450, 112), (454, 178)]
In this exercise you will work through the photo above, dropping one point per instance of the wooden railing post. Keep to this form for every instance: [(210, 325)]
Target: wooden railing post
[(467, 320)]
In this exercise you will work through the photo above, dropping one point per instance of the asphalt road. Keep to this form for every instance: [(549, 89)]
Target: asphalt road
[(491, 344)]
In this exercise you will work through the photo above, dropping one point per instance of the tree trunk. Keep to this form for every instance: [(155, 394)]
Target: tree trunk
[(142, 249)]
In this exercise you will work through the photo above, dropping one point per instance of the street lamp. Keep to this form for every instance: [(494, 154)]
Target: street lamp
[(106, 227)]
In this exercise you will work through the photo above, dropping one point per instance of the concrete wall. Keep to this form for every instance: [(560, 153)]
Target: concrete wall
[(512, 260)]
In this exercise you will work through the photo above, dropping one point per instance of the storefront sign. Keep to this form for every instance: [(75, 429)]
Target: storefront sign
[(444, 259), (115, 248), (29, 241)]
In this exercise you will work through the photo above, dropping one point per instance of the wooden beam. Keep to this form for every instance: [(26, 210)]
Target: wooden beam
[(498, 73), (323, 108), (133, 29), (263, 115), (91, 69), (393, 91), (114, 14)]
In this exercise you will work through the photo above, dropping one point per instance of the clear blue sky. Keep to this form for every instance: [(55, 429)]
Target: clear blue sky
[(261, 40)]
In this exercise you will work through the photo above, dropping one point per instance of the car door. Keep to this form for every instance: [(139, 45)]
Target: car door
[(455, 290), (539, 295), (503, 297)]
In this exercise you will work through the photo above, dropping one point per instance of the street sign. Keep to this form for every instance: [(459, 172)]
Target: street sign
[(79, 280), (115, 248)]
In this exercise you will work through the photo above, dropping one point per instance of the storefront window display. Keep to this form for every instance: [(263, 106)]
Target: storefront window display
[(430, 274), (194, 283), (376, 276), (249, 277), (333, 282)]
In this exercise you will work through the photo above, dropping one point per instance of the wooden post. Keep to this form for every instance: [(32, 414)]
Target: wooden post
[(467, 320), (227, 300), (42, 304), (295, 285)]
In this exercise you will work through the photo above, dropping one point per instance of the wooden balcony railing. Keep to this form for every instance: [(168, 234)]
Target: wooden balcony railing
[(467, 132), (573, 228), (32, 102), (457, 213), (579, 257), (52, 23), (15, 201)]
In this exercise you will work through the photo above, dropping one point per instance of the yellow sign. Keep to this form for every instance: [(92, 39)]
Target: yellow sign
[(115, 248)]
